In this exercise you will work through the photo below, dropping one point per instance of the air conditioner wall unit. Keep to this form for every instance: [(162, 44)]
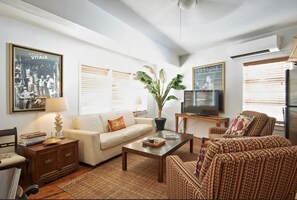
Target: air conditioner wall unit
[(255, 47)]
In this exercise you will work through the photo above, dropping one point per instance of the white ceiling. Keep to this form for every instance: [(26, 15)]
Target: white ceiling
[(209, 23)]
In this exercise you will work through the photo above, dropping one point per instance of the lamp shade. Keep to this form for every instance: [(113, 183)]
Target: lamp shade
[(56, 104), (293, 56)]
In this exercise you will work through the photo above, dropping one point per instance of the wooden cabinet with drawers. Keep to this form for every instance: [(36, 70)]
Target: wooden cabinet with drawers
[(49, 162)]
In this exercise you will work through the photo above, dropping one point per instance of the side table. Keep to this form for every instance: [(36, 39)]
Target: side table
[(50, 162)]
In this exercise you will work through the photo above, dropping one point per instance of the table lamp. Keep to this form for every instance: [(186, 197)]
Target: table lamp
[(57, 105)]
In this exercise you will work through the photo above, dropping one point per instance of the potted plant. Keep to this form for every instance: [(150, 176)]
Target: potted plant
[(156, 86)]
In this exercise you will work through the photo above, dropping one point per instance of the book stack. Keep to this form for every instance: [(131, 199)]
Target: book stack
[(28, 139)]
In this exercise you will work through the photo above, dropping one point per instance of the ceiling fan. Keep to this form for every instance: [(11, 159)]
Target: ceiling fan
[(186, 4)]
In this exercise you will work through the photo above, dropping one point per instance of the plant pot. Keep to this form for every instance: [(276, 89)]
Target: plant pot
[(160, 123)]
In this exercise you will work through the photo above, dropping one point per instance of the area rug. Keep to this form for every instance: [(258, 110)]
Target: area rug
[(140, 181)]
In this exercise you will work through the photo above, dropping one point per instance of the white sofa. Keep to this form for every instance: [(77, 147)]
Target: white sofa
[(97, 144)]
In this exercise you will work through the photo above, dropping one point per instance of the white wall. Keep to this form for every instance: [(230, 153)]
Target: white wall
[(74, 54), (233, 79)]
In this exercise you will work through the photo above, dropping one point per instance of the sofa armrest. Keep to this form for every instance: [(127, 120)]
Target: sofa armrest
[(88, 144), (142, 120), (181, 183)]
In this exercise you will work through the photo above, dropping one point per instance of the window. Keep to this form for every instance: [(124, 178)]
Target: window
[(121, 91), (140, 95), (95, 94), (264, 86), (102, 91)]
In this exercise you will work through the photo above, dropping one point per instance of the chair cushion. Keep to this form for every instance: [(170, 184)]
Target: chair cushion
[(260, 120), (229, 145), (10, 159), (239, 125), (116, 124)]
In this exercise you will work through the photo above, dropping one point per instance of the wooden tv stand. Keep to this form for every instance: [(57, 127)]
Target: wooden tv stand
[(215, 119)]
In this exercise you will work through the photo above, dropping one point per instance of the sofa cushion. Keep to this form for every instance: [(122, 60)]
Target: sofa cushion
[(107, 116), (136, 130), (128, 117), (116, 124), (239, 125), (108, 140), (130, 133), (90, 122), (240, 144), (143, 128), (260, 120)]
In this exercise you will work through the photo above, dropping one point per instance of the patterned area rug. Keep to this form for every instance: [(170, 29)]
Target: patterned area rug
[(140, 181)]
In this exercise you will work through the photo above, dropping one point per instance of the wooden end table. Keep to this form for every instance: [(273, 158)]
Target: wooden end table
[(50, 162)]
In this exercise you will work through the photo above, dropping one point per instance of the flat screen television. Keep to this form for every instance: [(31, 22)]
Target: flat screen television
[(202, 102)]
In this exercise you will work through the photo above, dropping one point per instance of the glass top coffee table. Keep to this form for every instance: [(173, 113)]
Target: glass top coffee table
[(158, 153)]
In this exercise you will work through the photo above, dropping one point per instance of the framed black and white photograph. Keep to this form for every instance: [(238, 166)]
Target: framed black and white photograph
[(34, 76), (210, 77)]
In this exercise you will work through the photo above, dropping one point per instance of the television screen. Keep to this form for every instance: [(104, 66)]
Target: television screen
[(201, 102)]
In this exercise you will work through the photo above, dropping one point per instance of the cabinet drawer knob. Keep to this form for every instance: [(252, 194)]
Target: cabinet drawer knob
[(68, 154), (48, 161)]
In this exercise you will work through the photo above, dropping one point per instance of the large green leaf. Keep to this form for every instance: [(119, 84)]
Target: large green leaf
[(162, 76), (152, 71), (171, 97), (155, 85)]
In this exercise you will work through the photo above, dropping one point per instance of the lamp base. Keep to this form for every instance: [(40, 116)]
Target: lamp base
[(59, 135)]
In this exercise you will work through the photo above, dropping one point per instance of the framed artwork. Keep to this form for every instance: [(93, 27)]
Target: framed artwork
[(34, 76), (210, 77)]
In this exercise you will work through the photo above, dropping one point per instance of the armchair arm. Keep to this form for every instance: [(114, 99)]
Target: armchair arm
[(269, 127), (181, 183), (216, 132)]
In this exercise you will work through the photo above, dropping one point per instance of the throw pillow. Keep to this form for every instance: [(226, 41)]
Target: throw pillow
[(116, 124), (204, 146), (239, 125)]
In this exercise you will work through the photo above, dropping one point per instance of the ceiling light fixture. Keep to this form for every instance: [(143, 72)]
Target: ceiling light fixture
[(186, 4)]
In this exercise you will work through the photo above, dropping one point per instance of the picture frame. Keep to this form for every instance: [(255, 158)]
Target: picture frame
[(211, 77), (34, 76)]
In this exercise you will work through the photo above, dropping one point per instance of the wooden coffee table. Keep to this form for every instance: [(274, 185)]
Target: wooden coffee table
[(158, 153)]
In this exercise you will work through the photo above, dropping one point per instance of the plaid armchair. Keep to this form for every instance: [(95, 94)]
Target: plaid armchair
[(262, 125), (245, 168)]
